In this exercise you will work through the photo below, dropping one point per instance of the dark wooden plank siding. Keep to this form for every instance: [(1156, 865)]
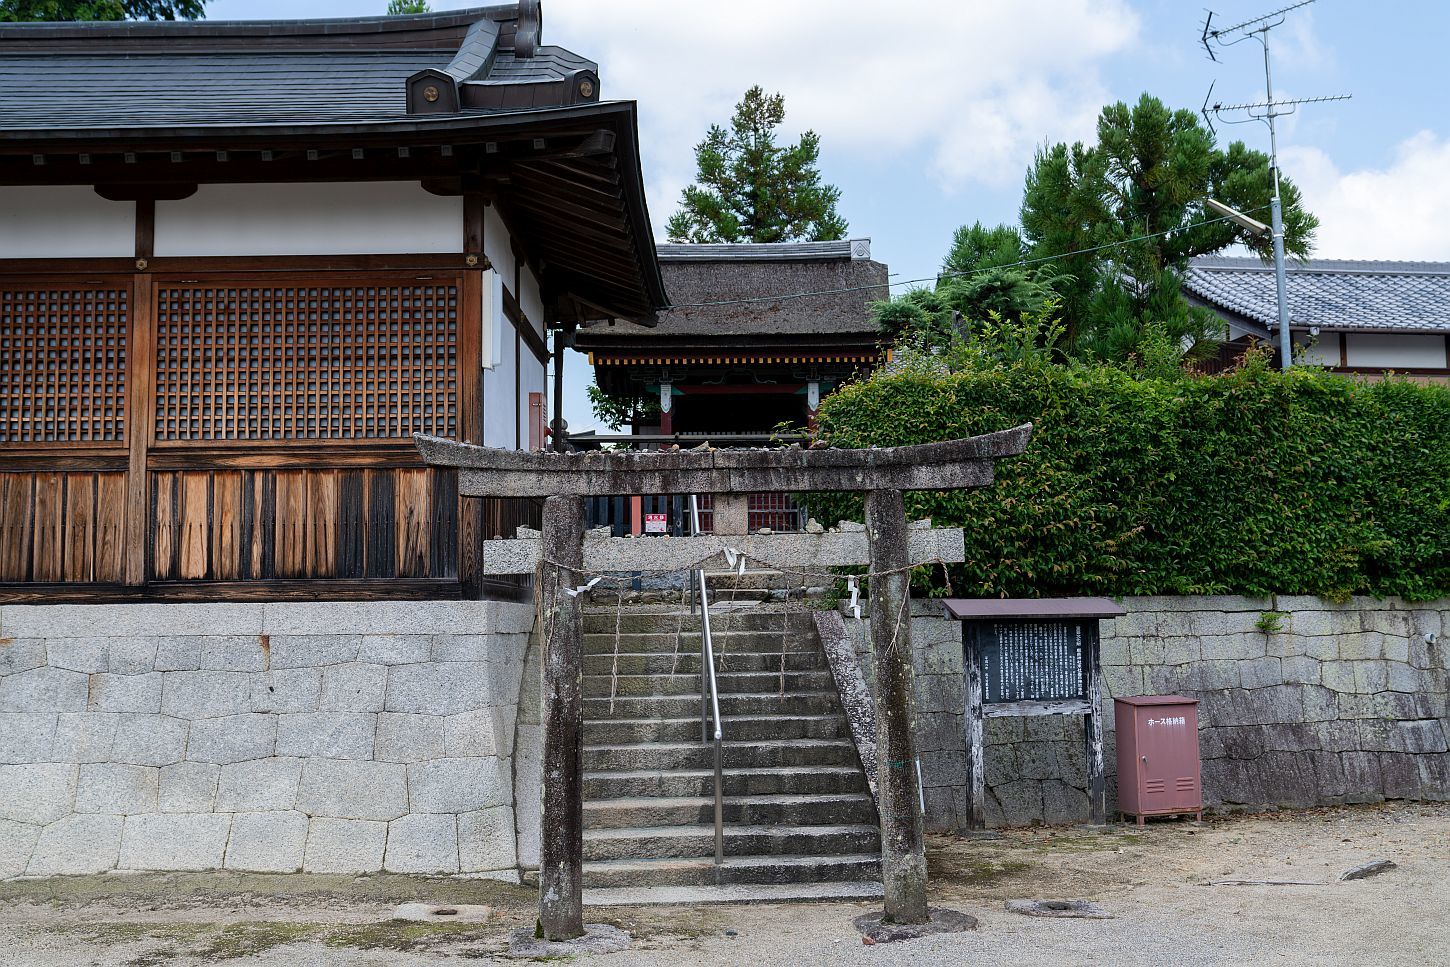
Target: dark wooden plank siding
[(61, 528), (249, 426)]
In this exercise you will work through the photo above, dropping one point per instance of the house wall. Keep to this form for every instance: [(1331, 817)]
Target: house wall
[(64, 222), (1321, 350), (1395, 350), (1348, 703), (326, 737), (323, 218), (162, 465)]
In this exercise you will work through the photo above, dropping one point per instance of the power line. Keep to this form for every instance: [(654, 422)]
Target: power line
[(947, 275)]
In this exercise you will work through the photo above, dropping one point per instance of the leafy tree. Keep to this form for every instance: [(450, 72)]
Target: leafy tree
[(1147, 175), (616, 412), (751, 189), (399, 7), (17, 11), (982, 282)]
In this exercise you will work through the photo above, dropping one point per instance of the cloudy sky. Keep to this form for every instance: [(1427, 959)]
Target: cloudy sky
[(929, 110)]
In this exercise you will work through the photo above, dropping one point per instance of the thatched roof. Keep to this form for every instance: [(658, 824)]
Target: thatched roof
[(790, 289)]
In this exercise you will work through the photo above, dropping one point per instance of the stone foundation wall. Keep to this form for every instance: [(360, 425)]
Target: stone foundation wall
[(1346, 703), (326, 737)]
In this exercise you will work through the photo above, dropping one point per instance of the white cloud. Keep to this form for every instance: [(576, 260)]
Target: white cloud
[(958, 91), (1398, 212)]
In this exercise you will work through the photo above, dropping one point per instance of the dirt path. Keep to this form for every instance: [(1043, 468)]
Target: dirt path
[(1154, 881)]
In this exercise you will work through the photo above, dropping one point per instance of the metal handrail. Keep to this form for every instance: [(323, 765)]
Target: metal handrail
[(709, 693)]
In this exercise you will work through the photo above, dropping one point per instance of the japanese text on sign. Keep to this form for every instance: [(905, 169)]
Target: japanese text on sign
[(1032, 660)]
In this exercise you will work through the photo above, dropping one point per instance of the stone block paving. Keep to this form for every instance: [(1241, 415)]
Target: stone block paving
[(270, 737)]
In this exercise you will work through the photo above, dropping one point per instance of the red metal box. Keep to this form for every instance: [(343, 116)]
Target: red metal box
[(1159, 772)]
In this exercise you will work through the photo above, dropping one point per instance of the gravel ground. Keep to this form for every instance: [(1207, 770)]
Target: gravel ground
[(1157, 882)]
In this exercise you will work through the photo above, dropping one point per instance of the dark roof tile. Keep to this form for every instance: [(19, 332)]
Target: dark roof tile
[(1329, 294)]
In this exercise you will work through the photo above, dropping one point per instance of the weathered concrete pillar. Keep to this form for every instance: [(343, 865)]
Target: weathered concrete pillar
[(561, 851), (731, 514), (903, 855)]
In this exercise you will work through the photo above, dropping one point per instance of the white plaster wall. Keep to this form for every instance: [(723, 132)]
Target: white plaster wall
[(64, 222), (343, 218), (497, 246), (1321, 350), (500, 407), (1395, 350)]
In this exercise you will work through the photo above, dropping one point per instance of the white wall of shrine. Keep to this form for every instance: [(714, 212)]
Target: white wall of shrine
[(319, 218), (64, 222), (510, 367)]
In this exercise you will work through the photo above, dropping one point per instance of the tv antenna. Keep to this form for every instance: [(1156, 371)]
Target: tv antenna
[(1267, 111)]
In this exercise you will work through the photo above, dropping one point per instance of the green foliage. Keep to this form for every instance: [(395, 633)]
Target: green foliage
[(1137, 482), (615, 412), (397, 8), (980, 281), (1149, 172), (1271, 622), (752, 190), (17, 11)]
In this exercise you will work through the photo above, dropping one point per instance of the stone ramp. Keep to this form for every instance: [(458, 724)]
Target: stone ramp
[(800, 822)]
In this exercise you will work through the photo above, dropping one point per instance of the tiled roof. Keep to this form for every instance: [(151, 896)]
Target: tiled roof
[(61, 78), (1329, 294)]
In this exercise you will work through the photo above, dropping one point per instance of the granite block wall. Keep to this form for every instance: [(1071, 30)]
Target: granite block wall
[(325, 737), (1343, 703)]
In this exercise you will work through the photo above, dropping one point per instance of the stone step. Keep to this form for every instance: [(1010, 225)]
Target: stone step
[(758, 781), (638, 896), (702, 871), (657, 842), (696, 755), (688, 663), (597, 686), (739, 728), (638, 620), (688, 643), (734, 703), (777, 810)]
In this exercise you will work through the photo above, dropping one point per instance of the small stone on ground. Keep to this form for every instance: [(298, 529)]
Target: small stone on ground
[(875, 930), (1365, 870), (599, 938), (1080, 909)]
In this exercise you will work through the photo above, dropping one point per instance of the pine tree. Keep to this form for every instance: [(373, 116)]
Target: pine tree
[(750, 189)]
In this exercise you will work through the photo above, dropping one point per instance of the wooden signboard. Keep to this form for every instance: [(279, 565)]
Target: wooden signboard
[(1032, 657)]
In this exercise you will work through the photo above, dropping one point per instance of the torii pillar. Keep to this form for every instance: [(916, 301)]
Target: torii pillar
[(564, 479)]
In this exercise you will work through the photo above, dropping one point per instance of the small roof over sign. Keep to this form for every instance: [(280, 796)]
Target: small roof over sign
[(977, 609)]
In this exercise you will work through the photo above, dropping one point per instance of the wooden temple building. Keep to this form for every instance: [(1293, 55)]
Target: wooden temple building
[(242, 263), (756, 335)]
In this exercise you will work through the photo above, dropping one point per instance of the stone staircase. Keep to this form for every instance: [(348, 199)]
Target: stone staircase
[(799, 818)]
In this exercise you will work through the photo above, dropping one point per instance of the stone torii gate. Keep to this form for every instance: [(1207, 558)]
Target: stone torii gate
[(565, 479)]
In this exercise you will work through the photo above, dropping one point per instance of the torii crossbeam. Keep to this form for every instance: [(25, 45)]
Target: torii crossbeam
[(565, 479)]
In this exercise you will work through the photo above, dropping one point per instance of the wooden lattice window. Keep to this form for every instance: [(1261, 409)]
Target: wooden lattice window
[(287, 362), (62, 364)]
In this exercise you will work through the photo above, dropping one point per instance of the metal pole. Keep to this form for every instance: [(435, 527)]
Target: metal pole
[(558, 424), (1286, 343)]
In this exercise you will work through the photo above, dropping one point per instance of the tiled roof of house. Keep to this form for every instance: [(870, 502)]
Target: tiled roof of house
[(1328, 294)]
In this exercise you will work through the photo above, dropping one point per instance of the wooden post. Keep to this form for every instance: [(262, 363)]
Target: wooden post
[(903, 855), (561, 850), (976, 738), (1093, 730)]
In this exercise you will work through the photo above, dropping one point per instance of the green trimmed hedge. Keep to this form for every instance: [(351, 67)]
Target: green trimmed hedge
[(1254, 482)]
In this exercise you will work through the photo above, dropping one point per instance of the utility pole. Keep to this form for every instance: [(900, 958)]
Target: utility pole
[(1267, 111)]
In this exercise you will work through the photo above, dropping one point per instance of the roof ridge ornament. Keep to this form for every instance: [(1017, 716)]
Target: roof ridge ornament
[(530, 29)]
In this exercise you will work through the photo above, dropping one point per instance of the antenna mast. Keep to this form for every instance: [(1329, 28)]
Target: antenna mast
[(1267, 110)]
